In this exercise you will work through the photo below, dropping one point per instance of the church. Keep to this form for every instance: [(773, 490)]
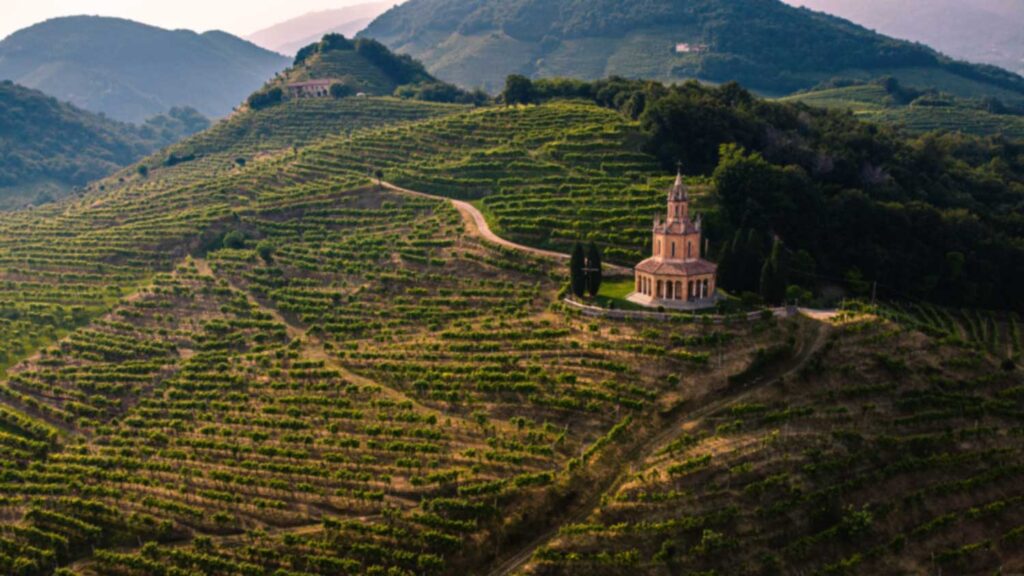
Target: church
[(676, 276)]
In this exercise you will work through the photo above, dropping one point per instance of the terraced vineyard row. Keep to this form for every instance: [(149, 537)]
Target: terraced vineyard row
[(282, 371), (546, 176), (62, 265), (996, 332), (287, 411), (888, 446)]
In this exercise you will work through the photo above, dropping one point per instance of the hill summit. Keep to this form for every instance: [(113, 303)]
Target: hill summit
[(763, 44), (339, 67), (131, 71)]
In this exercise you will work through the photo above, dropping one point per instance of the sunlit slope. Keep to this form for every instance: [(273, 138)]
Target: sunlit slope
[(344, 378), (61, 264), (871, 102), (887, 453)]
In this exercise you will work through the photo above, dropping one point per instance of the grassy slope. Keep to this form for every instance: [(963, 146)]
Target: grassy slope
[(870, 103), (888, 454)]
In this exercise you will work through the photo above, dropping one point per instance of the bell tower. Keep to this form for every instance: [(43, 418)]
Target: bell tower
[(679, 200)]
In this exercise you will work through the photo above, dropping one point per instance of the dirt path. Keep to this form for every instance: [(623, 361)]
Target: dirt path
[(651, 446), (478, 226)]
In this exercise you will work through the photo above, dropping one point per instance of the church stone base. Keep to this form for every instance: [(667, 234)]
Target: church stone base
[(691, 305)]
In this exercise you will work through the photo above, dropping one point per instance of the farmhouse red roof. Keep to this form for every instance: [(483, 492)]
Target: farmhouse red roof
[(319, 82)]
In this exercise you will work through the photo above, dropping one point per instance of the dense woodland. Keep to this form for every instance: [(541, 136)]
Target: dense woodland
[(42, 138), (765, 45), (936, 216)]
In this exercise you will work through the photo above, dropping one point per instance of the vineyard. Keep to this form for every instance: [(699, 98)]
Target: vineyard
[(872, 103), (251, 360), (545, 176), (998, 333), (886, 454), (288, 371)]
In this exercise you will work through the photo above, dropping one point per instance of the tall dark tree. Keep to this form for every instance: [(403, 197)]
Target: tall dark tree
[(519, 90), (594, 273), (577, 273), (775, 274)]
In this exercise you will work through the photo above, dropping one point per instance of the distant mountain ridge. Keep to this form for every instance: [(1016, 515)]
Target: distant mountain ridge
[(131, 71), (763, 44), (989, 31), (290, 36)]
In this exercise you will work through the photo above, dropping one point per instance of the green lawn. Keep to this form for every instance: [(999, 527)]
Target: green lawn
[(613, 294)]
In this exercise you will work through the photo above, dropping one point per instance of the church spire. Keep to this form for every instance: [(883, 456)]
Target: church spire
[(679, 193), (679, 199)]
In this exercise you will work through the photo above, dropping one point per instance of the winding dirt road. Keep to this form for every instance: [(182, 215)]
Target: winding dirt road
[(478, 226)]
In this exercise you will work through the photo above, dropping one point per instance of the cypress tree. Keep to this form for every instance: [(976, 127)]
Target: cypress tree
[(577, 275), (594, 274), (774, 275)]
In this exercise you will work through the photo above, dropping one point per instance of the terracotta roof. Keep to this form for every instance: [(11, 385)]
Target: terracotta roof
[(318, 82), (676, 227), (698, 267)]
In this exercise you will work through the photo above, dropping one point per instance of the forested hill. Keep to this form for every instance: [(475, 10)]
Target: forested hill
[(763, 44), (131, 71), (362, 66), (47, 146)]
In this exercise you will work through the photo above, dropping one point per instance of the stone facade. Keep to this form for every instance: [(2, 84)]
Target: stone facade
[(311, 89), (676, 276)]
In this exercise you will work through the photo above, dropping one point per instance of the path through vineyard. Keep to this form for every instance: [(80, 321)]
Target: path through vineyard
[(477, 225), (808, 346)]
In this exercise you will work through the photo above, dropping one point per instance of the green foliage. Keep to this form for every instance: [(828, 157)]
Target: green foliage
[(45, 140), (365, 65), (266, 98), (42, 139), (518, 90), (821, 178), (577, 271), (339, 90), (594, 272), (768, 46), (919, 111)]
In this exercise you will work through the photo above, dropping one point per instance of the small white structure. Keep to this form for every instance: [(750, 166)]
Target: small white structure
[(687, 48)]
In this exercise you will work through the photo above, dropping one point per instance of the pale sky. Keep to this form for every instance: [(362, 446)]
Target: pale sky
[(239, 17)]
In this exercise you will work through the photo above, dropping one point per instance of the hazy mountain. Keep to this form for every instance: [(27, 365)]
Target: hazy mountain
[(48, 146), (764, 44), (289, 36), (990, 31), (131, 71)]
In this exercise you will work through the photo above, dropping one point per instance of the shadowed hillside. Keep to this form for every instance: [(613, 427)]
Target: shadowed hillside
[(47, 146)]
